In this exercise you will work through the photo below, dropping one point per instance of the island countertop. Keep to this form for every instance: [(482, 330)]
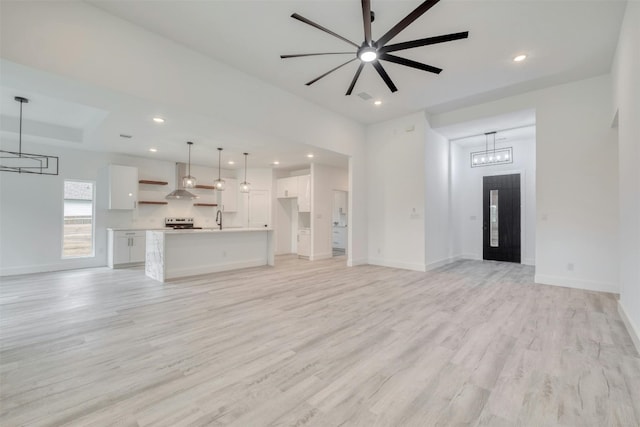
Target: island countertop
[(172, 254), (211, 230)]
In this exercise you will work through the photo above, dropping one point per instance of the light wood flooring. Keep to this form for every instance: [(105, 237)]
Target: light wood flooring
[(314, 344)]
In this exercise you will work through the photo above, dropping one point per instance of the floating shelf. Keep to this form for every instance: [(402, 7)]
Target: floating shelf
[(146, 202), (205, 204), (206, 187), (148, 181)]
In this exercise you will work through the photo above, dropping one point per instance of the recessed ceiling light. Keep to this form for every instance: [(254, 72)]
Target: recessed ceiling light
[(309, 155), (378, 102), (519, 58), (153, 150), (231, 162), (158, 119), (276, 162)]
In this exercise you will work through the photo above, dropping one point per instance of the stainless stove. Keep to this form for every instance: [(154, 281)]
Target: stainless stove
[(180, 224)]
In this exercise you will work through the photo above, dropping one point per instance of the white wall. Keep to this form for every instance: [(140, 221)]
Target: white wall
[(437, 200), (116, 54), (324, 179), (396, 192), (576, 181), (31, 209), (626, 101), (467, 212)]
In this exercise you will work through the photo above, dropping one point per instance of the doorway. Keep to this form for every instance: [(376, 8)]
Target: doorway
[(501, 218), (339, 223)]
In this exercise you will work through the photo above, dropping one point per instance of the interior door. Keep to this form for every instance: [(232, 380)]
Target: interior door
[(501, 218)]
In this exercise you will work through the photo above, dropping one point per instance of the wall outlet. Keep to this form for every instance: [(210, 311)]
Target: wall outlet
[(570, 266)]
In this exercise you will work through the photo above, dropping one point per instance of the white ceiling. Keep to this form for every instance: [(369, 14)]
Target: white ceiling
[(564, 41), (71, 114)]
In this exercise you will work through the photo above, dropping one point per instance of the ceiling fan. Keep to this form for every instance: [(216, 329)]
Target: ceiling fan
[(372, 51)]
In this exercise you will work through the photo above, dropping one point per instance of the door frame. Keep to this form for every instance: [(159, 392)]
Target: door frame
[(524, 258)]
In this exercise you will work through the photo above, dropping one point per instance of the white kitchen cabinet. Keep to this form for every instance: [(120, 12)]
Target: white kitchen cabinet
[(228, 199), (123, 187), (259, 208), (339, 238), (126, 247), (287, 187), (304, 242), (304, 193)]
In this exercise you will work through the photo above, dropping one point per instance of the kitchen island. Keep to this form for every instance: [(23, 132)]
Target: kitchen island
[(172, 254)]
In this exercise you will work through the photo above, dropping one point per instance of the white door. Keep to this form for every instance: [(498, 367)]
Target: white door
[(259, 208)]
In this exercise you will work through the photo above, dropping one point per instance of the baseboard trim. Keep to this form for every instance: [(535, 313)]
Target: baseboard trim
[(440, 263), (47, 268), (357, 261), (317, 257), (633, 330), (568, 282), (528, 261), (398, 264)]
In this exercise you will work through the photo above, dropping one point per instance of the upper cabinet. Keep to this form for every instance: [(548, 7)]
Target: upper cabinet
[(304, 193), (228, 199), (123, 187), (287, 187)]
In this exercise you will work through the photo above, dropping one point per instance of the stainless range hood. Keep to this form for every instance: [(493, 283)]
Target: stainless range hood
[(180, 193)]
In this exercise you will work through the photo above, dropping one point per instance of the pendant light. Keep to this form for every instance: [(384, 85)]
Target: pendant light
[(244, 185), (189, 181), (219, 183), (497, 156), (20, 162)]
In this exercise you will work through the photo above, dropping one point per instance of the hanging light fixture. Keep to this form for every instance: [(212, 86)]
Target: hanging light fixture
[(493, 157), (219, 183), (20, 162), (189, 181), (244, 185)]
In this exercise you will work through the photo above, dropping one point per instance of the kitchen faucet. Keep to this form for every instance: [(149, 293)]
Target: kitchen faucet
[(219, 218)]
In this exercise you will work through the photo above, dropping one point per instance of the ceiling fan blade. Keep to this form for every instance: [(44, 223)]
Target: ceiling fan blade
[(355, 78), (298, 55), (406, 21), (378, 66), (329, 72), (366, 18), (409, 63), (424, 42), (320, 27)]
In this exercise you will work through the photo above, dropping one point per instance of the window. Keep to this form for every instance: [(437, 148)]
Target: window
[(78, 229)]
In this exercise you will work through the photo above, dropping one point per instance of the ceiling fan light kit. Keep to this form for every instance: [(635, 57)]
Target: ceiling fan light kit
[(372, 51)]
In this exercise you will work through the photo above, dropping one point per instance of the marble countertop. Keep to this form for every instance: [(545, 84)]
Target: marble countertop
[(133, 229), (212, 230)]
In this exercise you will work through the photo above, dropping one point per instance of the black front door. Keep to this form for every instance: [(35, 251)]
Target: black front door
[(501, 218)]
